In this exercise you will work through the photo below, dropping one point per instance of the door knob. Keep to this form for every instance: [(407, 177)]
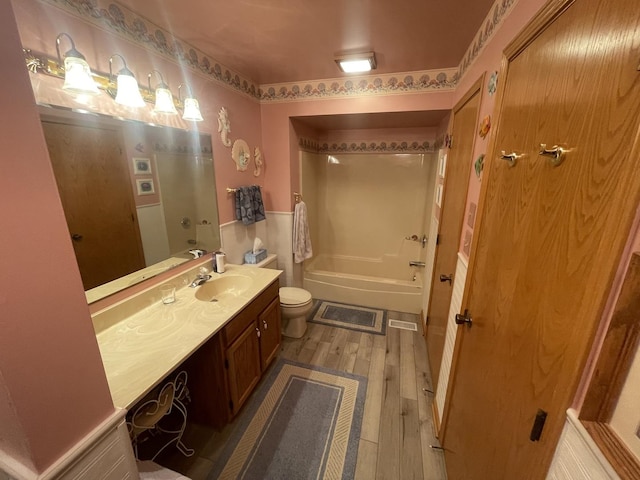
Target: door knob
[(446, 278), (464, 319), (265, 324), (76, 236)]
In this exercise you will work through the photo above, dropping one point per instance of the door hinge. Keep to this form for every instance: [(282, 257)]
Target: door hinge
[(538, 425), (226, 364), (438, 239)]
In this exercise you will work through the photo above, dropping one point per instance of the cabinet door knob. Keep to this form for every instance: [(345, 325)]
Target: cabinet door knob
[(258, 331), (264, 322)]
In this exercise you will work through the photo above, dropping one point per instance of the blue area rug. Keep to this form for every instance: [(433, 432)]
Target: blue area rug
[(352, 317), (303, 422)]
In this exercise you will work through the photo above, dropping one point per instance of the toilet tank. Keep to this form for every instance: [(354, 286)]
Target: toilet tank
[(270, 262)]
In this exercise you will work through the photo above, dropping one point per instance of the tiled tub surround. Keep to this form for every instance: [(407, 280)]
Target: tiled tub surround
[(141, 340)]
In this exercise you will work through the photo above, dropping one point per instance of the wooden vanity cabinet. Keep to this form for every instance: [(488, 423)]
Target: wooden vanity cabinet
[(270, 333), (242, 361), (250, 352), (224, 371)]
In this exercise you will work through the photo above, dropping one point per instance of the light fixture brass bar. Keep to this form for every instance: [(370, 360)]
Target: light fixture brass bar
[(42, 63)]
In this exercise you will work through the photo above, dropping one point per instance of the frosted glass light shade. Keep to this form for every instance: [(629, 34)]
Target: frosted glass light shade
[(192, 110), (164, 102), (353, 66), (128, 93), (77, 77), (358, 62)]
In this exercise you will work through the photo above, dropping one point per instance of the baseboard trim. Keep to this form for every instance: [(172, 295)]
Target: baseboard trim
[(106, 449)]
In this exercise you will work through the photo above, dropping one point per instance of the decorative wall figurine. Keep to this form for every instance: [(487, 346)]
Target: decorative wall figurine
[(257, 158), (479, 165), (485, 126), (224, 127), (241, 154), (492, 86)]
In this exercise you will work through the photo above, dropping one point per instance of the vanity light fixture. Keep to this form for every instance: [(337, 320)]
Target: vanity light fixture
[(164, 97), (77, 74), (191, 106), (357, 62), (127, 90)]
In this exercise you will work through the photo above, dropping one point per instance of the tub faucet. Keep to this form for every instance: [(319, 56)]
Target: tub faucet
[(415, 263), (199, 280)]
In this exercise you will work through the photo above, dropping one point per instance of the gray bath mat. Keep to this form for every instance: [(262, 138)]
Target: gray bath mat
[(303, 422), (352, 317)]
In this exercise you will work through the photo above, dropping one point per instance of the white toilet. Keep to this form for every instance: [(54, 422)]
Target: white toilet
[(295, 304)]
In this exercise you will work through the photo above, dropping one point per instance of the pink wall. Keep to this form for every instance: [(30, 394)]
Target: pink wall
[(53, 383), (281, 151), (39, 24), (375, 135)]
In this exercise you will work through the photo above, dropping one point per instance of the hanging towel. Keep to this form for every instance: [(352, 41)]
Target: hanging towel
[(258, 205), (249, 205), (301, 238)]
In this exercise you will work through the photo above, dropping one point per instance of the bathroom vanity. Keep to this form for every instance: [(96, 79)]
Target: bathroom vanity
[(224, 333)]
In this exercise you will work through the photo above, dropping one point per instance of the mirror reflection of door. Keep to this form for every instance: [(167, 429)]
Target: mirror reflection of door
[(93, 180)]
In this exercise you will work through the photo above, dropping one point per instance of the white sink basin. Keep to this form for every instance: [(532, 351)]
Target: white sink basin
[(217, 289)]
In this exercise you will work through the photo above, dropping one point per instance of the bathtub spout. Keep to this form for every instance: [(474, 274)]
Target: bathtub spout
[(414, 263)]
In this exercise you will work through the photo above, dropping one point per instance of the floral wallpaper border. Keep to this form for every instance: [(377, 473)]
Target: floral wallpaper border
[(395, 83), (496, 15), (121, 21), (313, 146)]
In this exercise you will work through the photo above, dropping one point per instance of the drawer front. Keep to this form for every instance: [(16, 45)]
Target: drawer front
[(242, 320)]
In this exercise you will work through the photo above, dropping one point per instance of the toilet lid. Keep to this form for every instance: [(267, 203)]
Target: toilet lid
[(294, 296)]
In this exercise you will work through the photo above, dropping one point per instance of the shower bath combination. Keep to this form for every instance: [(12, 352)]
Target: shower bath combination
[(361, 208)]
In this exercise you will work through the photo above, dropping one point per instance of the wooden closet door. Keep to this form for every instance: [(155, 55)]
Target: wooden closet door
[(465, 121), (549, 238)]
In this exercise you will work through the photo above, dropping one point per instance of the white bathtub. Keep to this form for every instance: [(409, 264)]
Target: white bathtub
[(365, 282)]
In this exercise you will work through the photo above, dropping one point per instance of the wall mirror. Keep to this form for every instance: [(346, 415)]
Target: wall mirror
[(137, 198)]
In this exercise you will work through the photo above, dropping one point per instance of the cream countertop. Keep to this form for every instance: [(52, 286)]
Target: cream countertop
[(143, 347), (121, 283)]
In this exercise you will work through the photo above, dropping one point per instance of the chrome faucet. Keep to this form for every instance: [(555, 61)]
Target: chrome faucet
[(199, 280), (415, 263)]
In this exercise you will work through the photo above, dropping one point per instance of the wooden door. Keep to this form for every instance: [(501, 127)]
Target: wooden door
[(465, 122), (243, 359), (270, 333), (549, 238), (95, 189)]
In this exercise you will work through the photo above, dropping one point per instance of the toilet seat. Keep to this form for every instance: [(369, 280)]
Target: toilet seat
[(294, 297)]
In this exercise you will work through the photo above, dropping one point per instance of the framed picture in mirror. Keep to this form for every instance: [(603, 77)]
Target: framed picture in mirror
[(141, 166), (145, 187)]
